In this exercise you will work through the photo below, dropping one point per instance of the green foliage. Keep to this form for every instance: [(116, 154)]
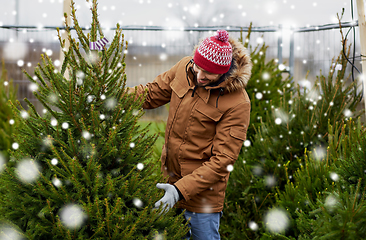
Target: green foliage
[(7, 92), (298, 122), (266, 86), (88, 153), (323, 200)]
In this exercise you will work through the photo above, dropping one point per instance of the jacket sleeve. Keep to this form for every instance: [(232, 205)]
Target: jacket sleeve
[(229, 138), (159, 91)]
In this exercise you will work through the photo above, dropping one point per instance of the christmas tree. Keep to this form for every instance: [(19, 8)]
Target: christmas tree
[(7, 123), (271, 156), (326, 198), (80, 170), (267, 84)]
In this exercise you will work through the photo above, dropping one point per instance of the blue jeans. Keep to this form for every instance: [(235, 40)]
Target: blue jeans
[(203, 226)]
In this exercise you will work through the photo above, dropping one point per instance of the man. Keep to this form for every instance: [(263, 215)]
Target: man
[(208, 119)]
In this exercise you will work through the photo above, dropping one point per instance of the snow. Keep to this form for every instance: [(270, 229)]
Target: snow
[(330, 202), (47, 141), (54, 161), (86, 135), (24, 114), (159, 236), (15, 145), (90, 98), (281, 67), (65, 125), (334, 176), (258, 95), (347, 113), (338, 67), (305, 84), (319, 153), (15, 50), (54, 122), (20, 63), (110, 103), (266, 76), (260, 40), (57, 182), (278, 121), (276, 220), (7, 232), (138, 203), (135, 112), (92, 57), (27, 170), (72, 216), (253, 225), (207, 208), (53, 98), (163, 57), (2, 162), (270, 181), (140, 166), (257, 170), (57, 63), (230, 167)]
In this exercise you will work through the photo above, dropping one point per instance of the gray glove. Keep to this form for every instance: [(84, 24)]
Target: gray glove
[(170, 198)]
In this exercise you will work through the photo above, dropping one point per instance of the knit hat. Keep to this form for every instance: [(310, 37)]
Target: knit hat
[(214, 54)]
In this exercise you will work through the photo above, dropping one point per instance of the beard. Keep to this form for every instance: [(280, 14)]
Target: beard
[(203, 82)]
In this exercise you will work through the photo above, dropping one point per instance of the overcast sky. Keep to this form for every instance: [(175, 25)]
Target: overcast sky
[(299, 13)]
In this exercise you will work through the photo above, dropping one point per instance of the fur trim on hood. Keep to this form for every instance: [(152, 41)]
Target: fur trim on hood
[(240, 70)]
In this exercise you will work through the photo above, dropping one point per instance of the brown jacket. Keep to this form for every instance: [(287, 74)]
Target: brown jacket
[(205, 130)]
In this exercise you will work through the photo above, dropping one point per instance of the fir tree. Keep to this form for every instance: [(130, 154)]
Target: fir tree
[(266, 165), (80, 170), (7, 124), (267, 84), (327, 198)]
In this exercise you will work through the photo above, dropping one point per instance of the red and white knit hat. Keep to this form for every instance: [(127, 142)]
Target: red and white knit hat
[(214, 54)]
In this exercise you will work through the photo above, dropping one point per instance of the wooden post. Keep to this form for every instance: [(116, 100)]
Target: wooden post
[(362, 29), (67, 10)]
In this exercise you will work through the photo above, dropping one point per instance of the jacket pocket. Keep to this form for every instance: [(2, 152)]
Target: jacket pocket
[(238, 133), (178, 89), (235, 142), (209, 111)]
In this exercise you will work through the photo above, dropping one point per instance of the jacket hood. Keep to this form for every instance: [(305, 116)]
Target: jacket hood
[(240, 70)]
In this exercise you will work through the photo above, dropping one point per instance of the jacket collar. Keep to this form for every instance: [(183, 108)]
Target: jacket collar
[(203, 92)]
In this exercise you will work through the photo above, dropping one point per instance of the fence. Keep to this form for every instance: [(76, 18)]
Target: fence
[(153, 50)]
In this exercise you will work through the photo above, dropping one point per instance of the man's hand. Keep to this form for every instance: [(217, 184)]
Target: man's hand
[(170, 198)]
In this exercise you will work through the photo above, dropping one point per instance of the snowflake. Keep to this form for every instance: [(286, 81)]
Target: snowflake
[(140, 166), (72, 216), (253, 225), (138, 203), (276, 220), (27, 170), (230, 168)]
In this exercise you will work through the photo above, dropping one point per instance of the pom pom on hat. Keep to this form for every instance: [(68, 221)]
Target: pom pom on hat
[(222, 36), (214, 54)]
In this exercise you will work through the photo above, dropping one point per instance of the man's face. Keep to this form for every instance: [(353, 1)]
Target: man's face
[(205, 78)]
